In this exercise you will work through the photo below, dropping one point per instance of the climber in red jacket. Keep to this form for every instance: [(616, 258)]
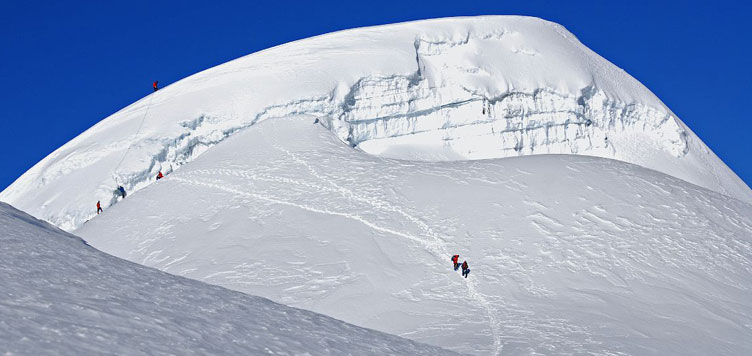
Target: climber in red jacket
[(456, 259)]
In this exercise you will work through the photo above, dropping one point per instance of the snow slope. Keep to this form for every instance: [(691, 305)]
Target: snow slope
[(569, 254), (446, 89), (61, 297)]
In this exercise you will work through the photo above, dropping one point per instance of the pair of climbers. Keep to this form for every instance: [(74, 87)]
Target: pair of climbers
[(120, 190), (464, 265)]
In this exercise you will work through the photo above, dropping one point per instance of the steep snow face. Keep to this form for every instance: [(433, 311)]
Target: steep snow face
[(448, 89), (61, 297), (568, 254)]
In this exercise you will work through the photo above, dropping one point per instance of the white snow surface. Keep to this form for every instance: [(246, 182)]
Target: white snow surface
[(445, 89), (568, 254), (62, 297)]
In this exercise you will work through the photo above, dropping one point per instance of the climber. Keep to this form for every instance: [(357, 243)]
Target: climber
[(465, 269), (156, 87), (455, 260), (122, 191), (159, 175), (99, 207)]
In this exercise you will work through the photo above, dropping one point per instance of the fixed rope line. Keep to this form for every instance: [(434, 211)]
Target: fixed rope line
[(138, 131)]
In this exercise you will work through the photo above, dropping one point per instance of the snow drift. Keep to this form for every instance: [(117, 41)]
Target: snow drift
[(61, 297), (447, 89)]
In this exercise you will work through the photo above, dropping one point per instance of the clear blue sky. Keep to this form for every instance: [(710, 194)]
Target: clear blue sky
[(66, 65)]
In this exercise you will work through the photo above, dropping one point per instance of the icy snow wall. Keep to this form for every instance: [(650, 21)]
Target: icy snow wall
[(446, 89)]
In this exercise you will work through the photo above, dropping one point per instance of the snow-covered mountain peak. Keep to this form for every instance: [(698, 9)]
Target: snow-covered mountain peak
[(569, 254), (445, 89)]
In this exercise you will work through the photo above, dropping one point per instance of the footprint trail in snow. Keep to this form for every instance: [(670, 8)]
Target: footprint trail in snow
[(560, 266)]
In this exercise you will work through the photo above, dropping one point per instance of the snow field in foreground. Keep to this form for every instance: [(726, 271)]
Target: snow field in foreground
[(62, 297), (569, 254)]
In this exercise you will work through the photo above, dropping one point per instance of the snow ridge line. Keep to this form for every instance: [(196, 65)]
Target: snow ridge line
[(374, 202), (304, 207), (265, 178)]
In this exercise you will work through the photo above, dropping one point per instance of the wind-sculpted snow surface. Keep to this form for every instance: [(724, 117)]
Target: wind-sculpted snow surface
[(447, 89), (61, 297), (568, 254)]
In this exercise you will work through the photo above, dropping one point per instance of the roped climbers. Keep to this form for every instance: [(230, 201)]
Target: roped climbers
[(465, 266), (120, 189)]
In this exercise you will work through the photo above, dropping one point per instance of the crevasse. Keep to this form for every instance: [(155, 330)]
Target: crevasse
[(429, 109), (448, 89)]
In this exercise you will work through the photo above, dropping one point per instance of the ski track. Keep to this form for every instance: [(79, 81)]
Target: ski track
[(597, 234), (355, 217), (595, 243), (440, 246), (434, 244), (586, 220)]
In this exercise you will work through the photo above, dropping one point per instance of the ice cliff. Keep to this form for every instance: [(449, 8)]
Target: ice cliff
[(445, 89)]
